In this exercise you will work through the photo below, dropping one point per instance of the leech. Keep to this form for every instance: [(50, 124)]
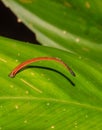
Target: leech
[(25, 63)]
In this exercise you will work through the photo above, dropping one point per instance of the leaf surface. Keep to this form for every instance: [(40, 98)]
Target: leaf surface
[(45, 96)]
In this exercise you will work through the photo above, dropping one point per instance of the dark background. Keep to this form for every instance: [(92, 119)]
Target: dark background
[(9, 27)]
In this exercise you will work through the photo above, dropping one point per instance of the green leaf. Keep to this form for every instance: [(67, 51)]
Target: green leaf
[(73, 26), (42, 97)]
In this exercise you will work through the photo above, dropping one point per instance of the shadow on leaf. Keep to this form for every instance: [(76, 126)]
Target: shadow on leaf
[(51, 69)]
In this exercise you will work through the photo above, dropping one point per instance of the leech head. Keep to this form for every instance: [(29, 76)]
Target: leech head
[(11, 75)]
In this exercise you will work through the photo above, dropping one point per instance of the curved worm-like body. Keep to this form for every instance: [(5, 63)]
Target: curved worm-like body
[(25, 63)]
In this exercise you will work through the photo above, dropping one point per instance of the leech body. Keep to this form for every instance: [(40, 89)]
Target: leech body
[(25, 63)]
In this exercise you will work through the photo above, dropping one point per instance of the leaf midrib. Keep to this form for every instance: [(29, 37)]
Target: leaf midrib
[(53, 100)]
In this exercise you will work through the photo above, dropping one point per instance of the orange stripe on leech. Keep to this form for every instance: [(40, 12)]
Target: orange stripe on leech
[(25, 63)]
